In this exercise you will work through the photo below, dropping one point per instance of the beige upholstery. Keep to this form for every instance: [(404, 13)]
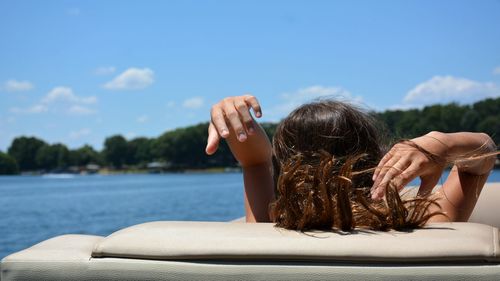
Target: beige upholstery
[(217, 240), (239, 251), (226, 251), (487, 210)]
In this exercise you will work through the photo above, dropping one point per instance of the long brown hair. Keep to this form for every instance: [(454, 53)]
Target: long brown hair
[(323, 156)]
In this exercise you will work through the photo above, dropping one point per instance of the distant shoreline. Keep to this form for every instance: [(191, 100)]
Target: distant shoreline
[(137, 172), (219, 170)]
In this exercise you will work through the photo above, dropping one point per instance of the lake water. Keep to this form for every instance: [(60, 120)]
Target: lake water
[(35, 208)]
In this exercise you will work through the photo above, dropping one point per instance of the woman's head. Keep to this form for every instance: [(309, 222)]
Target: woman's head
[(324, 153), (335, 127)]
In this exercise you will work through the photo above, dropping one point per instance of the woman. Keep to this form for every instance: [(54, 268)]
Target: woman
[(328, 170)]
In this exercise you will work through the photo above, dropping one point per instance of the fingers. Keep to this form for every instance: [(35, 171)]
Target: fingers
[(233, 117), (395, 168), (233, 112), (244, 112), (388, 163), (219, 121), (213, 140), (254, 104), (406, 176), (381, 164)]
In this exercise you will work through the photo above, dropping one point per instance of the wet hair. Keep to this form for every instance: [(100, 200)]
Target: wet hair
[(324, 154)]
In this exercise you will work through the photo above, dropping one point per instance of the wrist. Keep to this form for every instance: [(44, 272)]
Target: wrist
[(436, 143), (442, 138)]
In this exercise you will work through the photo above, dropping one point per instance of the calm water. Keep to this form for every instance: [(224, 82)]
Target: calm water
[(34, 208)]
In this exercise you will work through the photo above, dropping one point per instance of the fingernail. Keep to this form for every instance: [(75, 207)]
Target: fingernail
[(251, 130), (224, 132), (242, 137), (258, 114)]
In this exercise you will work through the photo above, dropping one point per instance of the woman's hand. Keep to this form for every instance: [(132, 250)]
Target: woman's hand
[(231, 120), (423, 157), (234, 113)]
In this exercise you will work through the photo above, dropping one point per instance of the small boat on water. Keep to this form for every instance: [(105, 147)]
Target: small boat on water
[(166, 250), (58, 176)]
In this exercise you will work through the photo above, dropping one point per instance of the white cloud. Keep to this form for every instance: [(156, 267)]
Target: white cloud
[(105, 70), (445, 89), (80, 110), (193, 103), (37, 108), (17, 86), (65, 94), (74, 135), (132, 79), (142, 119), (496, 71), (304, 95), (61, 99)]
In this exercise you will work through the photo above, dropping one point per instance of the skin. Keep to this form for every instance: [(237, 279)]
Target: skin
[(231, 120), (460, 191)]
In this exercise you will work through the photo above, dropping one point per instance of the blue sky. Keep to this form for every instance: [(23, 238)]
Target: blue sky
[(78, 71)]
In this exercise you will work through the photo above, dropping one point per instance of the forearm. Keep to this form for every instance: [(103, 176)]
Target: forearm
[(231, 120), (254, 156), (255, 150), (470, 152), (473, 156), (259, 192)]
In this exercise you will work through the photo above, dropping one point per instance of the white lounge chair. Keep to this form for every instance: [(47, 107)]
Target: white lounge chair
[(239, 251)]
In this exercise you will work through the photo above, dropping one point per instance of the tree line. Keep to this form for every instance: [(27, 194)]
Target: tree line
[(184, 148)]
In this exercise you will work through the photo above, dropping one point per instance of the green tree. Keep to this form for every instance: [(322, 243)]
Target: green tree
[(55, 156), (8, 165), (470, 120), (487, 107), (115, 150), (185, 148), (139, 151), (85, 155), (390, 118), (24, 150), (489, 122), (491, 126), (406, 126)]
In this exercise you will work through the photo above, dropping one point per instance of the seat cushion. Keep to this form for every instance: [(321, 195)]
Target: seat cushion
[(64, 257), (442, 242), (69, 247), (68, 258), (486, 210)]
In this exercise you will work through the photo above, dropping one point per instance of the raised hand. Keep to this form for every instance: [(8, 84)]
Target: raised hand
[(423, 157), (232, 115)]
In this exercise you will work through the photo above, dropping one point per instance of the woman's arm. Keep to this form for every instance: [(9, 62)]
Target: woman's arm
[(460, 191), (471, 153), (231, 120)]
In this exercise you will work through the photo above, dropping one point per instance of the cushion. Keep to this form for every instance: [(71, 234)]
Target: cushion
[(163, 240)]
